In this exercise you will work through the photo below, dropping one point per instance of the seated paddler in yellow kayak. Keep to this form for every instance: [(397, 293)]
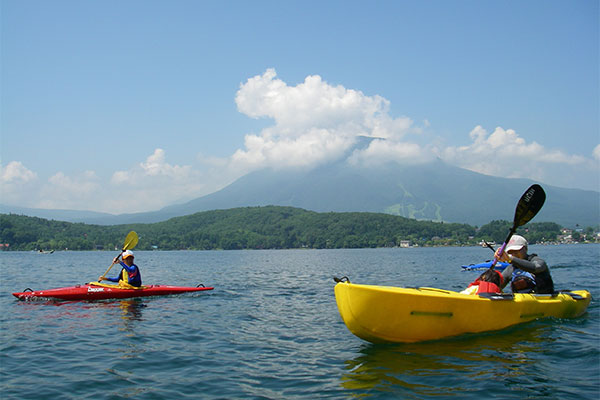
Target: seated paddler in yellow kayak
[(527, 273)]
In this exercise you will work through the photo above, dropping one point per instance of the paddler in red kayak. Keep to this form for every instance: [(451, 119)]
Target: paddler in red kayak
[(130, 273)]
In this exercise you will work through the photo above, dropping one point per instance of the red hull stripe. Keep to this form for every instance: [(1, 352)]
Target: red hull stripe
[(88, 292)]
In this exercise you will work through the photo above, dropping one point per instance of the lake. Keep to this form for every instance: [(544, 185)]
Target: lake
[(271, 330)]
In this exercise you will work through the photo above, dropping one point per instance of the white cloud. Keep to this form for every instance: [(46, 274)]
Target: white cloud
[(596, 152), (16, 172), (310, 149), (382, 151), (69, 192), (505, 153), (147, 186), (154, 166), (311, 104), (18, 184), (315, 122), (85, 184), (155, 183)]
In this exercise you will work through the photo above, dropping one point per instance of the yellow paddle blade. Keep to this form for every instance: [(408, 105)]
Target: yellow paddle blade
[(130, 241)]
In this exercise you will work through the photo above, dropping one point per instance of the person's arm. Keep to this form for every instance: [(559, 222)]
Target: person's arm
[(128, 268), (507, 275), (116, 278), (508, 271), (535, 266)]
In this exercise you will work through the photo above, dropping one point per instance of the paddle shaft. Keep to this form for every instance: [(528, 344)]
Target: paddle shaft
[(109, 268), (512, 232)]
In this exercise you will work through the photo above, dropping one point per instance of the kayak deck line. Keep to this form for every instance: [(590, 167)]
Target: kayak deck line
[(431, 314), (119, 286), (534, 315)]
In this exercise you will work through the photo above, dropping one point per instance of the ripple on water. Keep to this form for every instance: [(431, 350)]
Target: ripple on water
[(271, 330)]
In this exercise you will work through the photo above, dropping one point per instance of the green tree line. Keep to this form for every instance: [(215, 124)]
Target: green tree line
[(271, 227)]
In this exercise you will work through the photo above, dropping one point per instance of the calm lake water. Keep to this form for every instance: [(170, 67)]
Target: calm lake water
[(271, 330)]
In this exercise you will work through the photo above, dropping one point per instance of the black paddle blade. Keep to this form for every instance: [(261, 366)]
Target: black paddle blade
[(529, 205)]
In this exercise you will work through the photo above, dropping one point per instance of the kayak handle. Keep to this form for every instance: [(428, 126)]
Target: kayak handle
[(575, 296), (200, 284), (497, 296), (28, 290), (342, 279)]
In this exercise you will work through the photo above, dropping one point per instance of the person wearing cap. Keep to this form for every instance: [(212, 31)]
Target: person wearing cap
[(130, 273), (515, 253)]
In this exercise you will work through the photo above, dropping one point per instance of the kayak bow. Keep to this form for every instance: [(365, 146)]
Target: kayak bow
[(96, 291)]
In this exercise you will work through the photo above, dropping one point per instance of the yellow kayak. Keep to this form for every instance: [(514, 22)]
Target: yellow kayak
[(393, 314)]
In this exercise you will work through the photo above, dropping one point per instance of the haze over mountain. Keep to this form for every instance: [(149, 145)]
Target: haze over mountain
[(433, 191)]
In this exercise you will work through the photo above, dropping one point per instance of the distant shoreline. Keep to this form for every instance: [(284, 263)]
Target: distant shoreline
[(299, 248)]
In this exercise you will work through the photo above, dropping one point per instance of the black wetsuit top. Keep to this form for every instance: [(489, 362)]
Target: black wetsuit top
[(536, 266)]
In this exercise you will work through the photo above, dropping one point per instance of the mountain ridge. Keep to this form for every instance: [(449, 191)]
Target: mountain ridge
[(433, 191)]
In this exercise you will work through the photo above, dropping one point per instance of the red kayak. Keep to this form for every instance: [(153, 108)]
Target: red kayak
[(90, 291)]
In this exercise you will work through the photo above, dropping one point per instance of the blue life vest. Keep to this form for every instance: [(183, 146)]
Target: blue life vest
[(522, 281)]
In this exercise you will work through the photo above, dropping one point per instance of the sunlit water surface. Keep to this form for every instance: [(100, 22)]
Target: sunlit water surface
[(271, 329)]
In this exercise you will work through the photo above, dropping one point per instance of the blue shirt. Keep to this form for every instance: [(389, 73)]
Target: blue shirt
[(134, 277)]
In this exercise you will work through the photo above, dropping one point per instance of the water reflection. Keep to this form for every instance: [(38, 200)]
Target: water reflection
[(130, 311), (444, 367)]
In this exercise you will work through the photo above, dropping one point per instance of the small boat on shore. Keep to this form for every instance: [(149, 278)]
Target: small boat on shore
[(45, 252)]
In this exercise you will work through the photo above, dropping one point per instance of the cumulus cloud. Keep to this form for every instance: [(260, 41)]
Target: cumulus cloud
[(17, 183), (155, 183), (311, 104), (154, 166), (314, 122), (596, 152), (68, 192), (146, 186), (505, 153), (15, 172)]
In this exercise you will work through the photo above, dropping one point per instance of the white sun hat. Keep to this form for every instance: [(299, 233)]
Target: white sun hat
[(127, 253), (516, 243)]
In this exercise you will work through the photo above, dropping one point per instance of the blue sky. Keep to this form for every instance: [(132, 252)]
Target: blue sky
[(126, 106)]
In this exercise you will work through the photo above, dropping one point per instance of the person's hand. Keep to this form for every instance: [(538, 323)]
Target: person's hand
[(100, 279), (505, 257), (116, 260)]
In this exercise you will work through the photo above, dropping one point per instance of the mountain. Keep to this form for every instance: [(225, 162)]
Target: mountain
[(58, 215), (434, 191)]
